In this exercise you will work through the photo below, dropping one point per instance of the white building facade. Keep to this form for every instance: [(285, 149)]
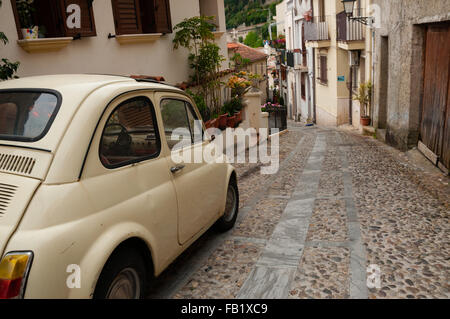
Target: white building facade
[(299, 62), (121, 37)]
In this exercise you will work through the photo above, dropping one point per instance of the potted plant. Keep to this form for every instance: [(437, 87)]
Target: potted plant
[(223, 119), (25, 10), (208, 124), (215, 123), (231, 121), (364, 97), (238, 117), (308, 15)]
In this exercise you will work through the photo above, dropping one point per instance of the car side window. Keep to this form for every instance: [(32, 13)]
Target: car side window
[(130, 134), (195, 127), (179, 119)]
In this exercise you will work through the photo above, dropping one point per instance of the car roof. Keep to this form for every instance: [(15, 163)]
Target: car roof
[(74, 90), (83, 83)]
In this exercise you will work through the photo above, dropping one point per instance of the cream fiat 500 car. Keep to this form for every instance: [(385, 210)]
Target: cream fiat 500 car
[(92, 204)]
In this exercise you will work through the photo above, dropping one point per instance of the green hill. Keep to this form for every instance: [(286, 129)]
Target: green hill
[(250, 12)]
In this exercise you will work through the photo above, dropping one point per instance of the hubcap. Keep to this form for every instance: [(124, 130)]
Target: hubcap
[(125, 286), (230, 208)]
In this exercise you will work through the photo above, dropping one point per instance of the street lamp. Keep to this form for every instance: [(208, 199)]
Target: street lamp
[(349, 5)]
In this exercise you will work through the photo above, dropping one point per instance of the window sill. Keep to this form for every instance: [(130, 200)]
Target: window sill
[(138, 38), (317, 44), (218, 34), (44, 44)]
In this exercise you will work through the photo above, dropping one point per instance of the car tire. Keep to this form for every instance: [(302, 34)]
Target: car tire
[(228, 220), (123, 277)]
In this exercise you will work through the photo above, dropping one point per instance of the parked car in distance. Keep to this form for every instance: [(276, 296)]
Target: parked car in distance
[(92, 203)]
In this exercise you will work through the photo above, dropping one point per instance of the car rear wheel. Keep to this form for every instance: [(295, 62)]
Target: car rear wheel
[(228, 220), (124, 276)]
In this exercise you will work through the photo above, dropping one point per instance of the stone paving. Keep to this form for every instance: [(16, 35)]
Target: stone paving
[(339, 203)]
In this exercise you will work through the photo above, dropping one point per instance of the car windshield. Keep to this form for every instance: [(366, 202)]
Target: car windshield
[(26, 116)]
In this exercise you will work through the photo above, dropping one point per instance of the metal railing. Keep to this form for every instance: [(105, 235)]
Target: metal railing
[(291, 59), (347, 29), (317, 29)]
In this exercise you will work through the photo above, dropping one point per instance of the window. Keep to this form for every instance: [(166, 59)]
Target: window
[(142, 16), (130, 135), (321, 10), (323, 71), (210, 8), (27, 115), (50, 17), (180, 124)]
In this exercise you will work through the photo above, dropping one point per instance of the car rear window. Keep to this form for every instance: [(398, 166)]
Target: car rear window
[(27, 115)]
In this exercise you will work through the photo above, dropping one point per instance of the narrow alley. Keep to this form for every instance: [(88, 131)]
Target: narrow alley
[(340, 205)]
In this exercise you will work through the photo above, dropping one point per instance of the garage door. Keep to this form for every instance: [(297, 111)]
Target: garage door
[(435, 126)]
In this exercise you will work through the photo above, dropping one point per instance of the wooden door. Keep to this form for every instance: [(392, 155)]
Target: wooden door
[(435, 126)]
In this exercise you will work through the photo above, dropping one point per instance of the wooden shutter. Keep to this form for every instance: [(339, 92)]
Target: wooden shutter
[(87, 18), (162, 16), (127, 16)]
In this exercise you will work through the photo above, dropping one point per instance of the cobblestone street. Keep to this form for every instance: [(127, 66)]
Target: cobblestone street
[(339, 203)]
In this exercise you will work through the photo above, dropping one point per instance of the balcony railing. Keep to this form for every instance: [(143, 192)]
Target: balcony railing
[(296, 59), (349, 30), (291, 59), (317, 29)]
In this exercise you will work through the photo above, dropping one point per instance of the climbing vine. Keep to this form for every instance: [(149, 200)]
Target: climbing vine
[(7, 68)]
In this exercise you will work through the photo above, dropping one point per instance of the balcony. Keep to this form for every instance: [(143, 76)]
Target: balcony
[(350, 33), (317, 34)]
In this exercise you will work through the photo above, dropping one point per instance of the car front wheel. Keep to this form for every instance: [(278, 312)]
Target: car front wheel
[(228, 220)]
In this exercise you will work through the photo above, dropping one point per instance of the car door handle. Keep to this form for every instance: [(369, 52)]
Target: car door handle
[(177, 168)]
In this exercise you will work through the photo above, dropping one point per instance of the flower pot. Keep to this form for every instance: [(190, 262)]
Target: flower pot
[(215, 123), (231, 121), (223, 121), (365, 121), (30, 33), (238, 117)]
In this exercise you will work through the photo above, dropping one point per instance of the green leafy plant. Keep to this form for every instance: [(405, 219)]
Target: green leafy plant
[(7, 68), (240, 62), (364, 97), (233, 106), (196, 35), (25, 10), (253, 40), (201, 105)]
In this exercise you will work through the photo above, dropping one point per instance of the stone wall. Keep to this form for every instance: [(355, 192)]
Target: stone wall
[(397, 103)]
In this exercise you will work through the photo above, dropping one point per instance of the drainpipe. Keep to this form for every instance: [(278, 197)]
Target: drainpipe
[(372, 75), (314, 95), (350, 103)]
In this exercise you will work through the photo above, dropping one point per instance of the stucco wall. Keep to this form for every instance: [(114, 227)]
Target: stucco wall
[(102, 55), (403, 22)]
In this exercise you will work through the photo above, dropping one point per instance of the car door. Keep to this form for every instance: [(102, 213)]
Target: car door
[(127, 179), (198, 184)]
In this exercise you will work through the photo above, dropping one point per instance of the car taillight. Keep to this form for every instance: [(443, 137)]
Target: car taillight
[(14, 269)]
